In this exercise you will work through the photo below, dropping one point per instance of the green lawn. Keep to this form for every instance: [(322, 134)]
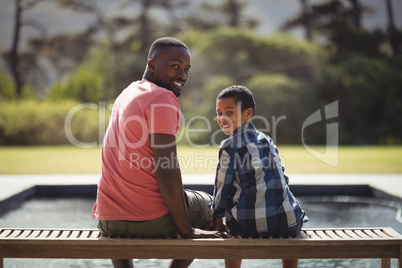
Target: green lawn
[(73, 160)]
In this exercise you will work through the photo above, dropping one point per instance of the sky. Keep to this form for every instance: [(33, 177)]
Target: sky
[(271, 14)]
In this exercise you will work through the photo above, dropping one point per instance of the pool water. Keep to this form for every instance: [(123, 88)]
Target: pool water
[(322, 211)]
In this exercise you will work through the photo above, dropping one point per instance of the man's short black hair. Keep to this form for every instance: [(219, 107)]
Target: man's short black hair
[(162, 43), (239, 94)]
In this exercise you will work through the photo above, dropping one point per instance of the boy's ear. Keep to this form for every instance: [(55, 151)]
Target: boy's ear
[(249, 112)]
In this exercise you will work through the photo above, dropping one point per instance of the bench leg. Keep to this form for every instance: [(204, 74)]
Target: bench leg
[(122, 263), (400, 258), (385, 263), (1, 263)]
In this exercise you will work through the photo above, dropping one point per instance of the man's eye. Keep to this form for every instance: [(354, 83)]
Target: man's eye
[(187, 70)]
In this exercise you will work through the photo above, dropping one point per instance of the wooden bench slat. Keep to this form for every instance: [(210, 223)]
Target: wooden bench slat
[(302, 235), (311, 234), (360, 233), (27, 233), (352, 234), (95, 234), (371, 233), (5, 233), (35, 233), (380, 233), (85, 234), (76, 234), (15, 234), (65, 234), (390, 232)]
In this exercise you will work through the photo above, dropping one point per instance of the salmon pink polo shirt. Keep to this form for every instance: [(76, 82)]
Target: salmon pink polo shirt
[(128, 189)]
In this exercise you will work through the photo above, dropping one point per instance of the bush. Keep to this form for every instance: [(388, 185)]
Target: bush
[(84, 85), (7, 89), (46, 123), (281, 105)]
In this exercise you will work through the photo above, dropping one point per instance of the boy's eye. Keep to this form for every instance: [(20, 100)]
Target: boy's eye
[(187, 70)]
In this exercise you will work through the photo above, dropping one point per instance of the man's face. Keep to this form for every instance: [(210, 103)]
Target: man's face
[(170, 68), (230, 116)]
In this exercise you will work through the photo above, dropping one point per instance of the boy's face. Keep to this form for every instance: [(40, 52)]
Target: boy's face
[(230, 116), (170, 68)]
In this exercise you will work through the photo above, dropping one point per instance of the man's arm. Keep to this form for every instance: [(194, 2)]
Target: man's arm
[(171, 186), (217, 224)]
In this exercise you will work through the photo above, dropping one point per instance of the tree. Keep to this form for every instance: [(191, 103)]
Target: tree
[(14, 50), (227, 13), (369, 98), (394, 34), (303, 19), (341, 25), (144, 22), (356, 11), (306, 18), (64, 52), (251, 54), (14, 57)]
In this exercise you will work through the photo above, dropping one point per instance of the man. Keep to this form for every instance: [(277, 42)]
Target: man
[(140, 193)]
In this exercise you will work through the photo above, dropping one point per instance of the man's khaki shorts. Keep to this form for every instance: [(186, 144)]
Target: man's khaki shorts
[(197, 203)]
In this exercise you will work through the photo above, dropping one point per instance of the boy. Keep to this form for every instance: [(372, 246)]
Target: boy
[(251, 188)]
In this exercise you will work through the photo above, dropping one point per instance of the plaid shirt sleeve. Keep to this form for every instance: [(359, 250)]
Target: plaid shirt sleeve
[(225, 174)]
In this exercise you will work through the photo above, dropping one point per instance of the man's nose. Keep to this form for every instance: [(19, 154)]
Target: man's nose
[(183, 75)]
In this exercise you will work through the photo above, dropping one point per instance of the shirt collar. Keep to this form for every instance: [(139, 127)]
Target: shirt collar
[(243, 128)]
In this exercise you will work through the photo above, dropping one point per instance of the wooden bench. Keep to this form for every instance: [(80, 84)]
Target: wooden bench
[(382, 243)]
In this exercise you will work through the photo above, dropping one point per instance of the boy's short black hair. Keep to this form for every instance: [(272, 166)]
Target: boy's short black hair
[(162, 43), (239, 94)]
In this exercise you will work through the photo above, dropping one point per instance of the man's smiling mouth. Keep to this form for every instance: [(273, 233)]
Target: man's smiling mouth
[(179, 84)]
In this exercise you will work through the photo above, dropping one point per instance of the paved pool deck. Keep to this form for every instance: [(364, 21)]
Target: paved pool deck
[(390, 184)]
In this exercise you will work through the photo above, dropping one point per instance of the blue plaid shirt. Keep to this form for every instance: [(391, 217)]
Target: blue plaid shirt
[(251, 188)]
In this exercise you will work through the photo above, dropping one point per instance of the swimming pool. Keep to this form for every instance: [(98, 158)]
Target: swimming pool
[(323, 211)]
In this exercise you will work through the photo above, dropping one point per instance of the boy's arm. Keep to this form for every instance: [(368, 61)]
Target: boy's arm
[(223, 184), (225, 173), (171, 186), (286, 178)]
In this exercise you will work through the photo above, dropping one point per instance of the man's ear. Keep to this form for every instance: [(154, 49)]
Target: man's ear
[(151, 66)]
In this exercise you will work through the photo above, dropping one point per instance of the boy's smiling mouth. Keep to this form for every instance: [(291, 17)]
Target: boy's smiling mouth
[(225, 126)]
